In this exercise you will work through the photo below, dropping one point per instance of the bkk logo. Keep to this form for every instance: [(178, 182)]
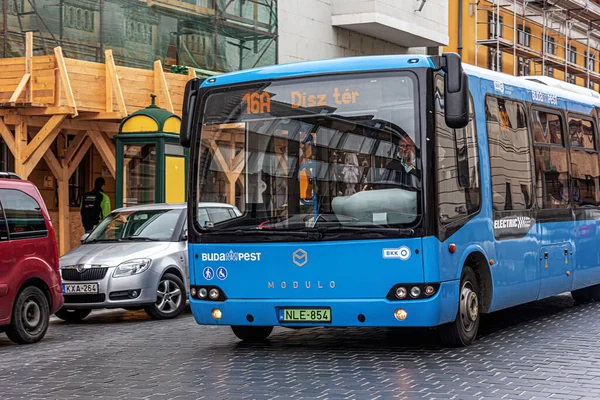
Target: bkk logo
[(231, 256)]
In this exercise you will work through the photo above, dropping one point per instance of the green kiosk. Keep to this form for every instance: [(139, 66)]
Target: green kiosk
[(151, 165)]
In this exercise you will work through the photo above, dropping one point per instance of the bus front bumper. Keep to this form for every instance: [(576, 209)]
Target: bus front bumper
[(437, 310)]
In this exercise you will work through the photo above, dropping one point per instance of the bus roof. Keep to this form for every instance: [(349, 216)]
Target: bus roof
[(335, 65), (542, 85), (382, 63)]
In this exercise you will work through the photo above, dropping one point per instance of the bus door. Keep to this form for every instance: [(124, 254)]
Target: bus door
[(555, 218), (516, 277)]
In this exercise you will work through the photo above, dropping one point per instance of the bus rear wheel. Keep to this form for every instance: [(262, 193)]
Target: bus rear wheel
[(587, 294), (463, 330), (252, 333)]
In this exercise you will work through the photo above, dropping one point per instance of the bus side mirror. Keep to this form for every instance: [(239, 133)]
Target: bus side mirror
[(456, 87), (187, 116)]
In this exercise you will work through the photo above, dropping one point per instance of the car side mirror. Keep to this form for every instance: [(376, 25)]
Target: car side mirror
[(184, 237), (456, 87), (84, 237)]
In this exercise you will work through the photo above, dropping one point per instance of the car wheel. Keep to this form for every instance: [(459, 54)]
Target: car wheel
[(73, 315), (30, 316), (170, 299), (463, 330), (252, 333)]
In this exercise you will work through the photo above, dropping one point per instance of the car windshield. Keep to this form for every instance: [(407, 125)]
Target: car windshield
[(321, 151), (151, 225)]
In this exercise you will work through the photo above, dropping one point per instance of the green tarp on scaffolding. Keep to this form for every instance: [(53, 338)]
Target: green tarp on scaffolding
[(212, 35)]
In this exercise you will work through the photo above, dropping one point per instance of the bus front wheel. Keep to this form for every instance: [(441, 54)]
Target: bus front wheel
[(252, 333), (463, 330)]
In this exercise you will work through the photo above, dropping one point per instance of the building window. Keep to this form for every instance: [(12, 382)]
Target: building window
[(573, 54), (585, 166), (459, 190), (550, 45), (552, 174), (571, 78), (494, 26), (549, 71), (78, 181), (524, 67), (524, 37), (510, 155), (138, 32), (78, 18), (14, 7), (7, 161), (494, 59)]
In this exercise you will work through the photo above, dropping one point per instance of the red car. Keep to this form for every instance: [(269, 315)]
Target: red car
[(30, 282)]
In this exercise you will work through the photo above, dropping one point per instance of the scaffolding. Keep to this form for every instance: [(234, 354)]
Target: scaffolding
[(206, 35), (560, 24)]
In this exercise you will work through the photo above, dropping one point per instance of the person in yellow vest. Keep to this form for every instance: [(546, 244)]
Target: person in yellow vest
[(95, 206)]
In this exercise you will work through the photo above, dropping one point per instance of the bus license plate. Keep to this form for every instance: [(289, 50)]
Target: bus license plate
[(304, 315), (69, 288)]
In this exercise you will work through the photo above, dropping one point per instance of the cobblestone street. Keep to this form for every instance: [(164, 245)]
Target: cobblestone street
[(548, 349)]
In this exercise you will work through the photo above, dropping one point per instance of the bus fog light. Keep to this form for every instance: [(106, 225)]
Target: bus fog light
[(216, 313), (401, 292), (194, 292), (415, 291), (400, 314), (429, 290), (213, 294), (202, 293)]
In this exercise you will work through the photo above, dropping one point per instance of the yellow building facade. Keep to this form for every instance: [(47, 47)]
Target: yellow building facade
[(529, 37)]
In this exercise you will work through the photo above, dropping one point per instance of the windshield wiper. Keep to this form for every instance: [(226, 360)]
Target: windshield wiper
[(263, 232), (147, 239), (367, 229), (100, 241)]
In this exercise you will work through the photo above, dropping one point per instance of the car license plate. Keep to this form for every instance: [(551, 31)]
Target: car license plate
[(71, 288), (304, 315)]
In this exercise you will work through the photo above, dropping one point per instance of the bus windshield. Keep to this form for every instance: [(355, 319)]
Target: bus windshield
[(304, 153)]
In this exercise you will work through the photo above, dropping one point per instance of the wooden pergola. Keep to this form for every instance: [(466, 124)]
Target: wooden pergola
[(43, 99)]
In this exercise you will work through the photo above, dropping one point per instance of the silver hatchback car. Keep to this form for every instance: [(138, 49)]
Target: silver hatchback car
[(135, 258)]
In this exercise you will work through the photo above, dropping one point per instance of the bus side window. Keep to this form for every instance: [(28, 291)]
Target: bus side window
[(552, 173), (457, 158), (585, 168), (510, 165)]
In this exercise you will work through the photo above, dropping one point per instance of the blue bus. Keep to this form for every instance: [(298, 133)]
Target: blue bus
[(388, 191)]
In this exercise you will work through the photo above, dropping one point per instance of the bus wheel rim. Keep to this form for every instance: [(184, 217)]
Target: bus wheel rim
[(469, 307)]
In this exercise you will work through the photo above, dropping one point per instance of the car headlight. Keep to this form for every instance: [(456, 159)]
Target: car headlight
[(132, 267)]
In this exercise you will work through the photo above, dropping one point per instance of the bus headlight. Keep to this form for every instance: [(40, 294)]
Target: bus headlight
[(401, 292)]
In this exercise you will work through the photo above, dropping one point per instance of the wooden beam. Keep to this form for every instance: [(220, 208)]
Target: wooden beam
[(106, 150), (57, 88), (95, 116), (64, 223), (7, 136), (114, 79), (108, 87), (53, 126), (191, 73), (45, 110), (52, 161), (76, 157), (160, 85), (71, 124), (64, 78), (28, 65), (20, 144), (46, 134), (24, 81)]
